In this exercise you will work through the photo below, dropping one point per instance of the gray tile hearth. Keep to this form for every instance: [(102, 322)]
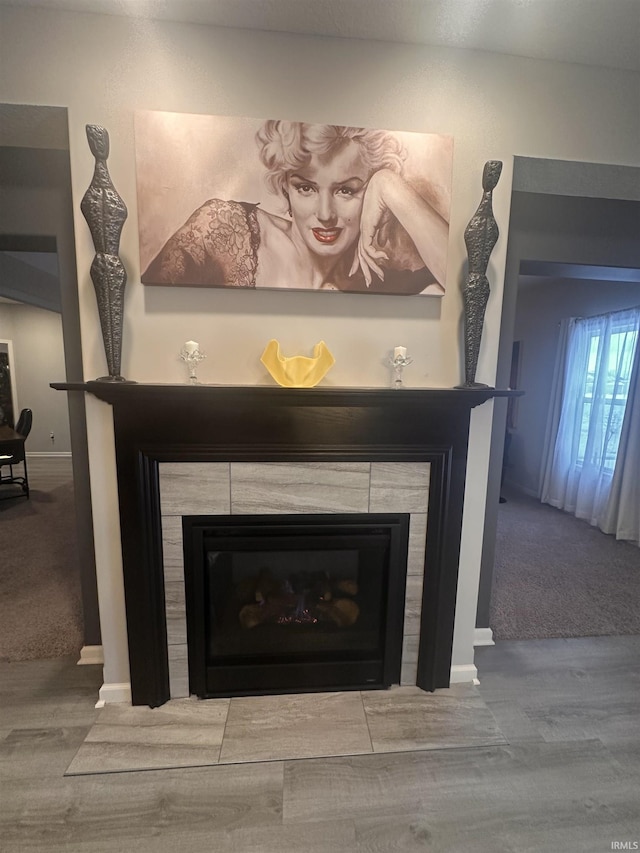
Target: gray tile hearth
[(267, 728), (179, 734), (191, 732)]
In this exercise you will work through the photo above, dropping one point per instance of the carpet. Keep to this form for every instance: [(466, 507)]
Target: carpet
[(556, 576), (40, 598)]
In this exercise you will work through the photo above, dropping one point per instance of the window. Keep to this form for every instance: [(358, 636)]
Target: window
[(591, 388), (606, 386)]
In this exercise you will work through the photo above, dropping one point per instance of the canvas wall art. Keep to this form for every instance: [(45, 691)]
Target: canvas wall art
[(253, 203)]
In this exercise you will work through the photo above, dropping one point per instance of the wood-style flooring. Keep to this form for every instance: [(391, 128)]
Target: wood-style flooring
[(567, 779), (47, 472)]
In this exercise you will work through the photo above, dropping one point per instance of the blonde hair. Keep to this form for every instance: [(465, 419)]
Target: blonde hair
[(285, 146)]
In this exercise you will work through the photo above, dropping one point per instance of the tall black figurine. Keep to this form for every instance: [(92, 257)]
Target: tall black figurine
[(106, 213), (480, 236)]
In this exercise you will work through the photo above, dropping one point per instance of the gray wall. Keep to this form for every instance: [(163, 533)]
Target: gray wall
[(541, 306), (38, 354)]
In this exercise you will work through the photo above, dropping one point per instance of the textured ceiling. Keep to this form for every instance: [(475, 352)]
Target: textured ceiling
[(593, 32)]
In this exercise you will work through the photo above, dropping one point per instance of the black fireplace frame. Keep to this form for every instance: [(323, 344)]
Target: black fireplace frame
[(339, 673), (182, 423)]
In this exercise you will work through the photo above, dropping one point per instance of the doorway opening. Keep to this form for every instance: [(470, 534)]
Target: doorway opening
[(37, 246), (568, 255)]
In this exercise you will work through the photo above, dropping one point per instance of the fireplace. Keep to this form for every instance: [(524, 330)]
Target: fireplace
[(332, 491), (290, 603), (211, 426)]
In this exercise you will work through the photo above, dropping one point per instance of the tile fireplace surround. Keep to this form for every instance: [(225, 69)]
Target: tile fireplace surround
[(387, 450), (279, 488)]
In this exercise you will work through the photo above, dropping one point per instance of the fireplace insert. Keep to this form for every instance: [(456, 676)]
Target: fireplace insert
[(294, 603)]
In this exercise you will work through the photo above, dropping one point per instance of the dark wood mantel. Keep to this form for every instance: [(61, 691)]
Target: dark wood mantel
[(184, 423), (125, 392)]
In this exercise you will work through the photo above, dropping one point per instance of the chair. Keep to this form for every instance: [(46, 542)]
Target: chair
[(23, 427), (24, 422)]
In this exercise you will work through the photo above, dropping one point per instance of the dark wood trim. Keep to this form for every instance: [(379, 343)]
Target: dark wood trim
[(155, 423), (152, 561), (117, 392), (435, 632)]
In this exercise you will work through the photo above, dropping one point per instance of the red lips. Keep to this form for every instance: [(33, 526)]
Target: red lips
[(326, 235)]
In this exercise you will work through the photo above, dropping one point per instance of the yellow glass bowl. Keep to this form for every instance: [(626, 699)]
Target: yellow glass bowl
[(299, 371)]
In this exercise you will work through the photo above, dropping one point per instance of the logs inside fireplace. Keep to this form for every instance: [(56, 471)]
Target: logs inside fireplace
[(294, 602)]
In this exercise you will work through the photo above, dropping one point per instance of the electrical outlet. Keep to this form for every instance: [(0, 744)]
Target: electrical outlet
[(52, 437)]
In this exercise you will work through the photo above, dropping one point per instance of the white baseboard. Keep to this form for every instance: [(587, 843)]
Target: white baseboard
[(91, 655), (112, 693), (49, 453), (483, 637), (463, 673)]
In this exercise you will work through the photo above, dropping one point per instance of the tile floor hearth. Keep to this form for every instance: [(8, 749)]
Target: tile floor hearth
[(196, 733)]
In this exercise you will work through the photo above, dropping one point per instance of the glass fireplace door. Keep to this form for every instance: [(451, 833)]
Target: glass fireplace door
[(296, 603)]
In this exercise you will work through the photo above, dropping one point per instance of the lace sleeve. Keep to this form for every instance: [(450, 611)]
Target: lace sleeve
[(216, 247)]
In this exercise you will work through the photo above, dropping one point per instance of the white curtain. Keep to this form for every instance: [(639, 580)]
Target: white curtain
[(555, 404), (621, 515), (591, 391)]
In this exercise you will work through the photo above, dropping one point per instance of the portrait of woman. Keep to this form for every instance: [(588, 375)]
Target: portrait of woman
[(338, 208)]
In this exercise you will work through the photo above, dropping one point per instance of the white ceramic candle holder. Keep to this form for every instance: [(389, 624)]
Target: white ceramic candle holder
[(399, 360), (192, 356)]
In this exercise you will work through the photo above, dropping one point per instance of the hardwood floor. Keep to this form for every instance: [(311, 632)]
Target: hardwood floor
[(567, 780)]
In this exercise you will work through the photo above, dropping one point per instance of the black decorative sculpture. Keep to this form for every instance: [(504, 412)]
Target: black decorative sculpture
[(106, 213), (480, 236)]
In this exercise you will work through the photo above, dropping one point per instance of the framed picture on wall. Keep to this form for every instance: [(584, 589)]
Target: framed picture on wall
[(241, 202)]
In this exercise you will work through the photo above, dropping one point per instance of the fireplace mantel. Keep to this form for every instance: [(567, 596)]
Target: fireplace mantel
[(204, 423), (133, 393)]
